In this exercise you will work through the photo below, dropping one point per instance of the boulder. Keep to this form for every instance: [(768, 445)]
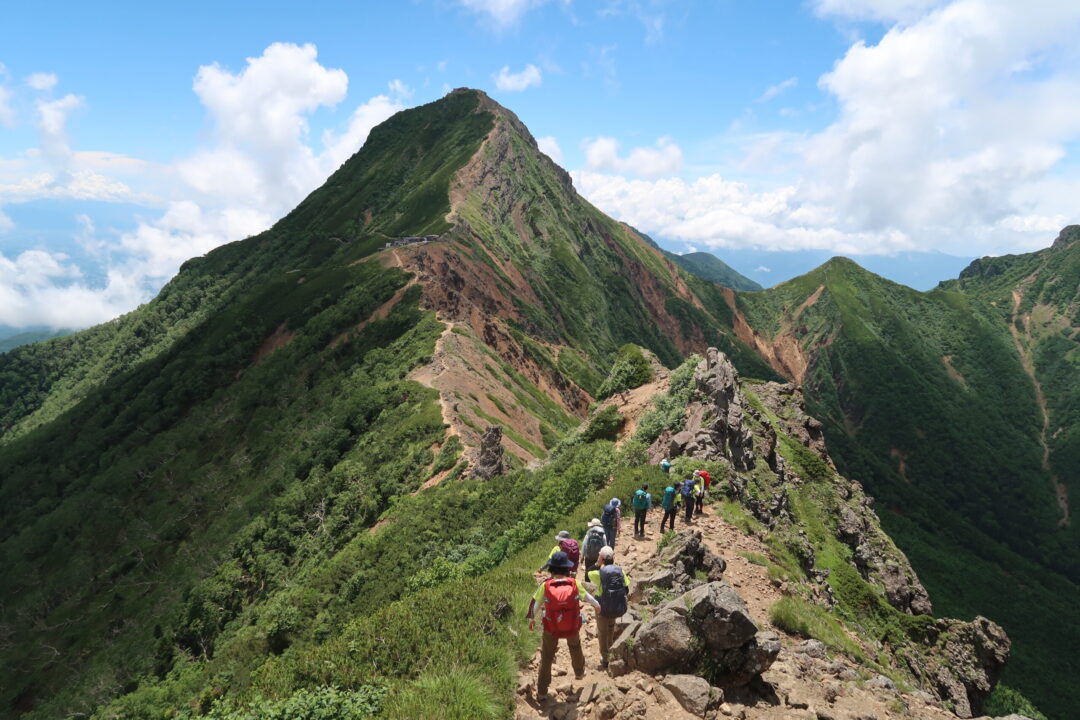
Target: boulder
[(738, 666), (489, 459), (691, 691), (662, 643), (717, 615)]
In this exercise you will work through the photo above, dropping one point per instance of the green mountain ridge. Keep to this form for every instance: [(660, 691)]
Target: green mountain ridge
[(928, 401), (192, 493)]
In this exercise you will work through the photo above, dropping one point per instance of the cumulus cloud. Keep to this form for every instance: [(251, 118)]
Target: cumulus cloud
[(602, 154), (42, 81), (716, 212), (950, 135), (516, 82), (876, 10), (550, 147), (259, 162)]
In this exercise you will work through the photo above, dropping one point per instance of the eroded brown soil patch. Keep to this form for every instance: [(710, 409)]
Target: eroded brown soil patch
[(274, 341)]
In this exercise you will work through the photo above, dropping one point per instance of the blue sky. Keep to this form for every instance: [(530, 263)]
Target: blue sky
[(135, 136)]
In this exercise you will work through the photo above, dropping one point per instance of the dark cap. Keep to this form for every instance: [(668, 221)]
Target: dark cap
[(560, 561)]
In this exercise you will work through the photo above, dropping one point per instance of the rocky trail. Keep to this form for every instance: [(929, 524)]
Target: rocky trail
[(803, 682)]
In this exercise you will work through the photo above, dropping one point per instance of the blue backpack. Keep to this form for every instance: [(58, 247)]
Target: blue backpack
[(641, 500), (669, 498), (608, 518), (613, 592), (687, 490)]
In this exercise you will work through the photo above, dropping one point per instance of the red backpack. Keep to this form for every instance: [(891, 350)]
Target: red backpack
[(562, 607), (570, 547), (706, 478)]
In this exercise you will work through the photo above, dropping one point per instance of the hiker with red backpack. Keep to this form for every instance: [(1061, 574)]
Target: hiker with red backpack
[(705, 481), (568, 545), (613, 587), (559, 598)]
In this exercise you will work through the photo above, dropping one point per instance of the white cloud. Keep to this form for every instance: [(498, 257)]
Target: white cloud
[(950, 135), (259, 163), (502, 14), (42, 81), (6, 223), (550, 147), (602, 154), (516, 82), (763, 269), (774, 90), (876, 10), (400, 89), (52, 124), (716, 212), (340, 148), (7, 114)]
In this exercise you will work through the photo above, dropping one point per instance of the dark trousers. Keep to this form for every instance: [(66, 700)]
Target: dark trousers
[(548, 646), (690, 509), (639, 521), (700, 502), (669, 514), (611, 531)]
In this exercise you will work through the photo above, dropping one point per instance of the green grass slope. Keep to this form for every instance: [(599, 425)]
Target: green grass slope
[(709, 267), (927, 401)]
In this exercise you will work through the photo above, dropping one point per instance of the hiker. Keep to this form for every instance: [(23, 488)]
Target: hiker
[(559, 598), (567, 545), (699, 494), (610, 519), (687, 494), (668, 505), (612, 587), (642, 503), (595, 539), (665, 465)]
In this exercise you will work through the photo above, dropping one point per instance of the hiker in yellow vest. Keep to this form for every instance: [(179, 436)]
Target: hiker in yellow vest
[(559, 598), (612, 587)]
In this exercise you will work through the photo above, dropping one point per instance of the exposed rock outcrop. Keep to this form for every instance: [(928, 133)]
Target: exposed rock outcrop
[(709, 625), (714, 424), (964, 662), (489, 459)]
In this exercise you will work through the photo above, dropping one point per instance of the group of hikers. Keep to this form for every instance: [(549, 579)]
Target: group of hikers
[(559, 597)]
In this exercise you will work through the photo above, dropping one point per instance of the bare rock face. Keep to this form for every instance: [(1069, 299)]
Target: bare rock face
[(711, 623), (965, 662), (489, 460), (877, 558), (786, 402), (677, 565), (714, 421)]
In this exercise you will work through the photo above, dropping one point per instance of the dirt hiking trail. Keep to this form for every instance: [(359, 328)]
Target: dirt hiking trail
[(803, 685)]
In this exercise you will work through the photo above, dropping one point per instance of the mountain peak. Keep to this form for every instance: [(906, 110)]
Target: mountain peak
[(1067, 237)]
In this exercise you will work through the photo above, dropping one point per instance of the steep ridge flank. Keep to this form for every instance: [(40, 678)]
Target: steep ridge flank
[(805, 556), (939, 452), (537, 279)]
